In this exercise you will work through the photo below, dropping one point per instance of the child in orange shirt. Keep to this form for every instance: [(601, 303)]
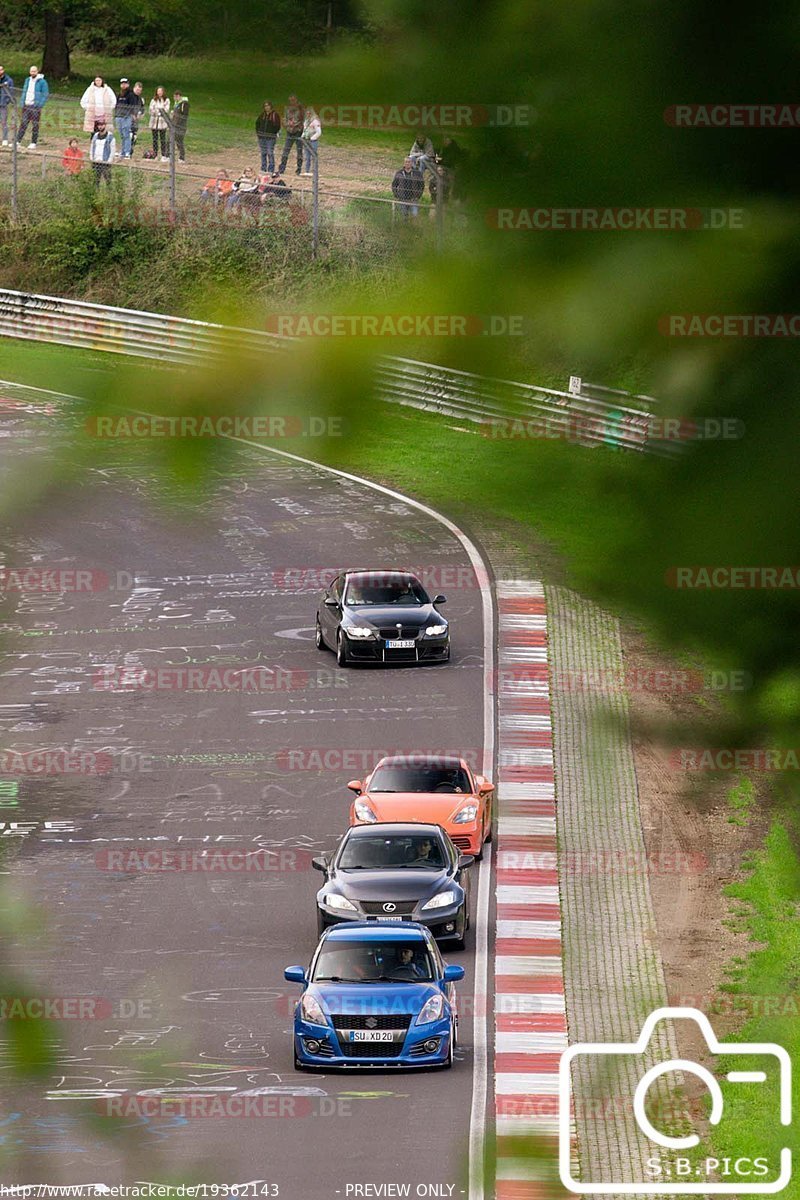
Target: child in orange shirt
[(72, 162)]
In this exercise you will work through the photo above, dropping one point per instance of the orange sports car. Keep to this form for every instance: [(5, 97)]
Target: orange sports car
[(439, 791)]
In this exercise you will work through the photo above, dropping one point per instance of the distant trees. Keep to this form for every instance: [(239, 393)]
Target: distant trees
[(51, 28)]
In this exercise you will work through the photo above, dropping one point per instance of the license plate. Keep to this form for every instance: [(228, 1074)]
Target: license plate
[(383, 918), (400, 644), (371, 1035)]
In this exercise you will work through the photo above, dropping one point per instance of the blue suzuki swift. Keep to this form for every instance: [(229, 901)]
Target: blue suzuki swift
[(377, 994)]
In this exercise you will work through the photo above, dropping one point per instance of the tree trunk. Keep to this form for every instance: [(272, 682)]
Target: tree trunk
[(56, 49)]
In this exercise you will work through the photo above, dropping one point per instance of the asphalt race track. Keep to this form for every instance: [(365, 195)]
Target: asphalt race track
[(188, 965)]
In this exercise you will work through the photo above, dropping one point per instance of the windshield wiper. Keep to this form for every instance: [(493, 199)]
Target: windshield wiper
[(336, 979)]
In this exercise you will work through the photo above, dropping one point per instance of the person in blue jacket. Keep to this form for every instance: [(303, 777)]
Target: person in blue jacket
[(33, 98), (6, 102)]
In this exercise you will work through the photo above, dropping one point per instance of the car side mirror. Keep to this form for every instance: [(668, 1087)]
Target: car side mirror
[(465, 860), (320, 863), (298, 975), (356, 786), (485, 788), (440, 599), (453, 973), (331, 602)]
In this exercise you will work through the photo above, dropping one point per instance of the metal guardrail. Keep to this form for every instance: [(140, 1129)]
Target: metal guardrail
[(501, 408)]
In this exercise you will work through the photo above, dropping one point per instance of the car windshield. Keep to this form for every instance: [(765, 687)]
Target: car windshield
[(377, 591), (419, 777), (373, 852), (374, 962)]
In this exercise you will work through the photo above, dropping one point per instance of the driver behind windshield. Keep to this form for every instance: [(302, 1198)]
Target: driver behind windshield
[(391, 592)]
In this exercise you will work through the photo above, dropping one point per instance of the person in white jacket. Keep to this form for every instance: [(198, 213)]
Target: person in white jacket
[(159, 122), (312, 132), (98, 103), (102, 152)]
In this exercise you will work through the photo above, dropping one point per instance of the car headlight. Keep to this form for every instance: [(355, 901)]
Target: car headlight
[(364, 812), (334, 900), (466, 814), (311, 1010), (431, 1010), (435, 630), (359, 631), (441, 901)]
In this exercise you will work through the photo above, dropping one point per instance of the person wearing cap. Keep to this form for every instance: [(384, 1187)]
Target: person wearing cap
[(124, 114)]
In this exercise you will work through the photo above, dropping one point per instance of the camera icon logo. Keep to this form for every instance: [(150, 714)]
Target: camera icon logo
[(680, 1175)]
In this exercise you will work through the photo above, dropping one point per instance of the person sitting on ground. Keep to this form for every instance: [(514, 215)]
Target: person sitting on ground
[(72, 160), (218, 188), (244, 191), (422, 153), (274, 187)]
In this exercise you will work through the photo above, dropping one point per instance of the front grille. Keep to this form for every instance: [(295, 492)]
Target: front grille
[(391, 632), (372, 1050), (371, 1021), (462, 843), (402, 908)]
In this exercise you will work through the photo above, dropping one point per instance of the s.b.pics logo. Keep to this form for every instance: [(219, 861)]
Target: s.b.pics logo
[(644, 1091)]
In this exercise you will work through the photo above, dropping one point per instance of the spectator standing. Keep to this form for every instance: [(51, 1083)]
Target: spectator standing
[(101, 152), (268, 126), (99, 103), (422, 153), (455, 161), (180, 122), (7, 101), (159, 122), (124, 114), (312, 132), (138, 111), (34, 97), (407, 188), (72, 160), (293, 120)]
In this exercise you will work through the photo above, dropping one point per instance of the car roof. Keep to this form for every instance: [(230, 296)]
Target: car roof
[(398, 828), (367, 575), (374, 931), (421, 760)]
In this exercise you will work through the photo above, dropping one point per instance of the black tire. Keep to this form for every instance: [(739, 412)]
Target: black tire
[(489, 834), (341, 652), (322, 923), (318, 639), (460, 940), (448, 1062)]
